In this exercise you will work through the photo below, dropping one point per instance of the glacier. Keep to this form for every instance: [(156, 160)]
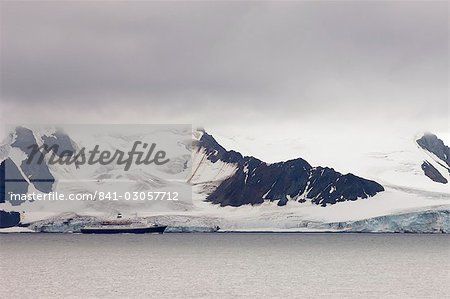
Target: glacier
[(436, 220)]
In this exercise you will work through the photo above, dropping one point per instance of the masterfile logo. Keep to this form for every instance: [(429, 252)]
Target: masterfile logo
[(95, 156)]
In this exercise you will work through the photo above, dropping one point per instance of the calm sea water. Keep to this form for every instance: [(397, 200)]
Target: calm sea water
[(225, 265)]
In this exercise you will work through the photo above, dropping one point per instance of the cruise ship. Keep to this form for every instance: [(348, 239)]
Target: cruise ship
[(122, 227)]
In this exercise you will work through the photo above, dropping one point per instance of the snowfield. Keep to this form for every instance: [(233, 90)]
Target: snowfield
[(411, 201)]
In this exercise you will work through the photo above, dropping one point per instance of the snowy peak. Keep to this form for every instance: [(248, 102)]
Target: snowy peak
[(255, 181), (215, 151), (437, 166)]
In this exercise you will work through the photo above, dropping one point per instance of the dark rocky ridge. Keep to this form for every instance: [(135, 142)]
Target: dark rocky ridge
[(60, 144), (9, 219), (434, 174), (433, 144), (256, 181), (38, 174), (11, 180), (436, 146), (36, 169)]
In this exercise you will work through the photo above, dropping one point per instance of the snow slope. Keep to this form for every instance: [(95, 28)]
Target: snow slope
[(394, 160)]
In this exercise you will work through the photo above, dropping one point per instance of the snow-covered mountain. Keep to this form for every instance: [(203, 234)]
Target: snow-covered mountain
[(395, 192), (21, 177), (248, 180)]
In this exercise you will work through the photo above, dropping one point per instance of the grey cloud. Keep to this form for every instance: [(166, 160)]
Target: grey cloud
[(285, 59)]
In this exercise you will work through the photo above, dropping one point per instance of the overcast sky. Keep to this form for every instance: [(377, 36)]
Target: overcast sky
[(225, 65)]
